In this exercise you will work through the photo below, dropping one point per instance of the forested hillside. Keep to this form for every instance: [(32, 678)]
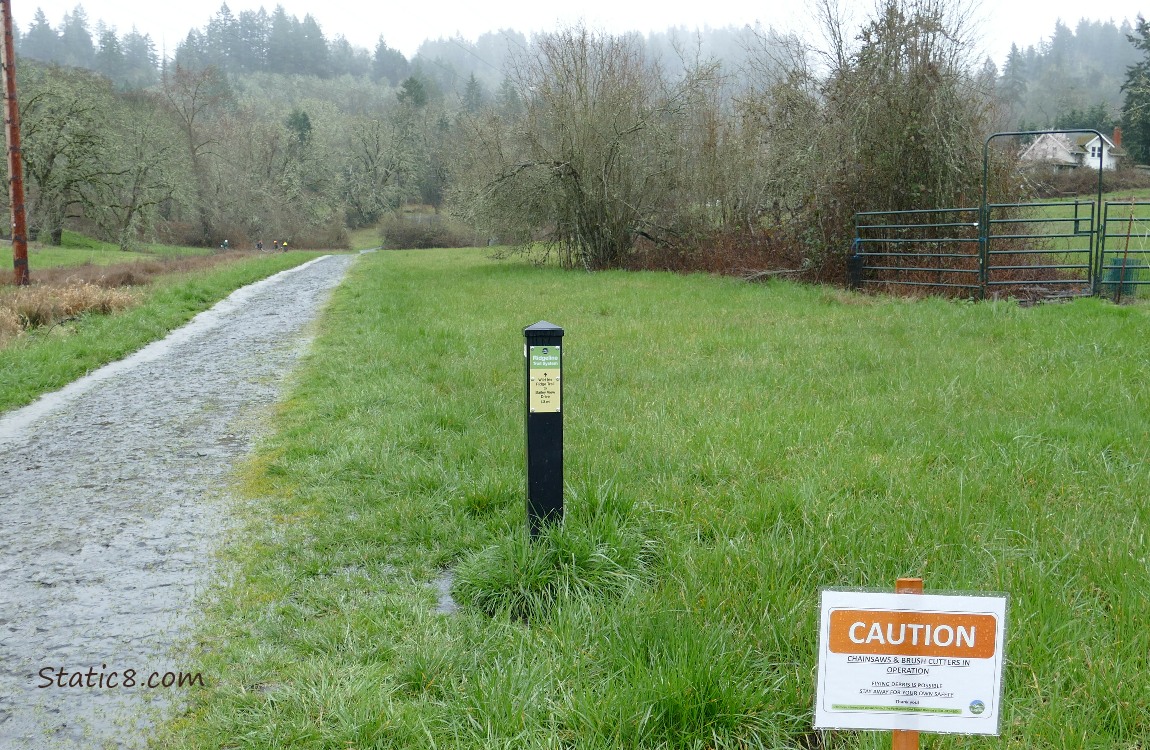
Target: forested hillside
[(1072, 80), (260, 127)]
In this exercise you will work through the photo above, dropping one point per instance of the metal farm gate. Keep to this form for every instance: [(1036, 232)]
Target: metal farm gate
[(1124, 257), (1036, 250)]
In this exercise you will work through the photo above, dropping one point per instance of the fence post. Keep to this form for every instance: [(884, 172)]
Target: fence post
[(855, 266), (543, 410)]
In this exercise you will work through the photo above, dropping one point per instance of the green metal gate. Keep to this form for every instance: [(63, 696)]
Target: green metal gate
[(933, 249), (1033, 250), (1044, 248), (1124, 258)]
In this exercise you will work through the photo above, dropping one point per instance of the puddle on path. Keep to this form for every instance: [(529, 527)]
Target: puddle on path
[(445, 604)]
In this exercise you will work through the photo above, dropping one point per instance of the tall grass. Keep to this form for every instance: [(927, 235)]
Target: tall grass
[(39, 306), (730, 449)]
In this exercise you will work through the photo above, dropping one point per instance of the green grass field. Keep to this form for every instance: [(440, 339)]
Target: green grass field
[(76, 249), (366, 238), (730, 449), (47, 359)]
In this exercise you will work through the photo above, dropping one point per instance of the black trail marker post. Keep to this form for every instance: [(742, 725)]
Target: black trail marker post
[(543, 356)]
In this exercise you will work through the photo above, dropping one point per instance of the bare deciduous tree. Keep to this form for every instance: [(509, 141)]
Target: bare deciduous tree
[(589, 165), (893, 117), (192, 97)]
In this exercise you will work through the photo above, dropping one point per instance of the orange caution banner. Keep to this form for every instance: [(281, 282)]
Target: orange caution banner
[(952, 635)]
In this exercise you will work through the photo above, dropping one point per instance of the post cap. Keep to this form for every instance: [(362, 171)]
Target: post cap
[(543, 328)]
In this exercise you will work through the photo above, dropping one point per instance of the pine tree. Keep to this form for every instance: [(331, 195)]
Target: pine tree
[(76, 40), (223, 41), (141, 63), (312, 54), (109, 60), (41, 42), (254, 28), (283, 42), (388, 63), (1013, 86), (413, 92), (473, 95), (1136, 106)]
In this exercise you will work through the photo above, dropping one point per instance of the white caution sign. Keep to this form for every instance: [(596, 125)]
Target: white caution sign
[(925, 662)]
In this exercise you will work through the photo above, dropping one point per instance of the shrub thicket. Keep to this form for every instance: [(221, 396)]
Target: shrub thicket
[(606, 154), (423, 231)]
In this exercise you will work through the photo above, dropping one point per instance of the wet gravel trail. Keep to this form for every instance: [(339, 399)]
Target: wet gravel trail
[(112, 504)]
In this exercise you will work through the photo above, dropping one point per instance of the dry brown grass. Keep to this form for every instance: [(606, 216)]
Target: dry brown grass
[(134, 273), (59, 294), (24, 308), (9, 325)]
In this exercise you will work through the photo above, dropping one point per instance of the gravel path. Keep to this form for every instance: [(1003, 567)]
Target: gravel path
[(112, 504)]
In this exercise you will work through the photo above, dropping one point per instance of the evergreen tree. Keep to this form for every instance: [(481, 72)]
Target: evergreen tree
[(311, 54), (1070, 74), (1136, 106), (473, 95), (254, 28), (413, 93), (388, 64), (141, 63), (41, 42), (508, 102), (299, 125), (76, 40), (1097, 118), (1013, 84), (283, 42), (222, 38), (192, 53), (109, 60)]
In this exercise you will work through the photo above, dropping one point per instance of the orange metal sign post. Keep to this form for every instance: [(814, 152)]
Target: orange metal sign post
[(906, 739)]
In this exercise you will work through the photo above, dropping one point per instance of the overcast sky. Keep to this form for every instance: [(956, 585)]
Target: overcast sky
[(405, 25)]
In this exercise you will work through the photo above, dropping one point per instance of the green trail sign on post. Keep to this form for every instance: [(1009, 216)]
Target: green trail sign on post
[(543, 416)]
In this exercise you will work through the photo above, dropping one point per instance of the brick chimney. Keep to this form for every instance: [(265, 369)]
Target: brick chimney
[(1117, 137)]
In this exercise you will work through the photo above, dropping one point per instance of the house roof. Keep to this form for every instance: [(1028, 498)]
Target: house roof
[(1085, 140), (1050, 148), (1062, 149)]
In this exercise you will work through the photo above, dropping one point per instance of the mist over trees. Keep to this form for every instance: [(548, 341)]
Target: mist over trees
[(1073, 79), (592, 146)]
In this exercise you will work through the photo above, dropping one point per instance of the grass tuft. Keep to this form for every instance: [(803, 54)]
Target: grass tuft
[(598, 551)]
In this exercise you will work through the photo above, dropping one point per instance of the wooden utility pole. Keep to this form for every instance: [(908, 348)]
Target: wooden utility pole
[(15, 162)]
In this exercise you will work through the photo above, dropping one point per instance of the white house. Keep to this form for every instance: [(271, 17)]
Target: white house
[(1091, 147), (1063, 151)]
